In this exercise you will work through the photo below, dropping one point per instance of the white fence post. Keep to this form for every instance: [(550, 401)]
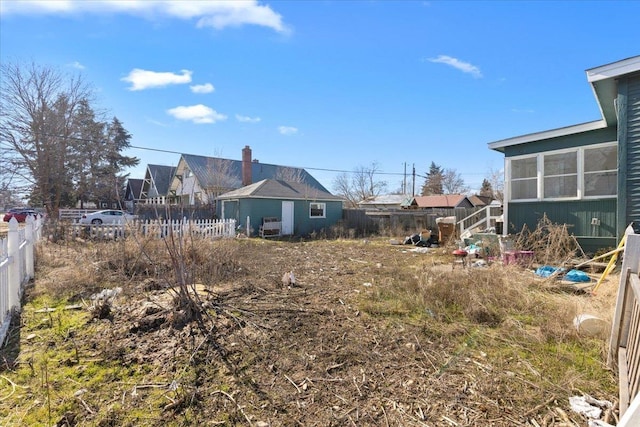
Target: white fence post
[(28, 236), (17, 257), (13, 254)]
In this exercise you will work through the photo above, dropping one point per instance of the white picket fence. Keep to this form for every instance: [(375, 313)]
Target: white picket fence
[(17, 267), (207, 228)]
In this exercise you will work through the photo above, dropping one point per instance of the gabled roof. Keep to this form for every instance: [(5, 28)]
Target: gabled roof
[(204, 168), (478, 200), (439, 201), (134, 189), (603, 82), (277, 189), (161, 177)]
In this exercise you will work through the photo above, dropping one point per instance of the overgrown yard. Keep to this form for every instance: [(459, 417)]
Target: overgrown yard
[(370, 334)]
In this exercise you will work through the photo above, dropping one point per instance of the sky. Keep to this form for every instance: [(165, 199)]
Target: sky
[(330, 86)]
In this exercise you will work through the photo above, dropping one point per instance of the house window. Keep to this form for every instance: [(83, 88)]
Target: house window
[(584, 172), (317, 210), (524, 178), (561, 175), (600, 171), (186, 173)]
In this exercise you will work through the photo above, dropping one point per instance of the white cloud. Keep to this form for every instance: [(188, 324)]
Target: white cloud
[(143, 79), (287, 130), (217, 14), (247, 119), (76, 65), (197, 114), (465, 67), (205, 88)]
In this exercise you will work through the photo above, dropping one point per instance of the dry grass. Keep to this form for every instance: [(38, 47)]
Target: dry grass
[(370, 335)]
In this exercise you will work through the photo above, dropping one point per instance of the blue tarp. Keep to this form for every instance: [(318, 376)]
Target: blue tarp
[(577, 276), (547, 270), (572, 275)]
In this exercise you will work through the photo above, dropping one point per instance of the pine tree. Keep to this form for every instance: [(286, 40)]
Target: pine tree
[(486, 189), (433, 182)]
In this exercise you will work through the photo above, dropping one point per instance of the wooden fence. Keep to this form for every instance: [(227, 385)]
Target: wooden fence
[(207, 228), (17, 267), (624, 347), (409, 221)]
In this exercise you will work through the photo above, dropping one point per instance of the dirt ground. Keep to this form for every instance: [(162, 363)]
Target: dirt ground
[(314, 353)]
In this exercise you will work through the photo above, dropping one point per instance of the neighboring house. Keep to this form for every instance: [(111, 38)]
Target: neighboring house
[(132, 194), (155, 187), (385, 202), (440, 201), (585, 175), (300, 208), (200, 179)]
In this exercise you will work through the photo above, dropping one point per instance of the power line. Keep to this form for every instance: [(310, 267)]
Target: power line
[(301, 167)]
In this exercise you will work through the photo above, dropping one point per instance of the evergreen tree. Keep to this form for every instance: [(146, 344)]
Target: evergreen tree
[(433, 182), (486, 189)]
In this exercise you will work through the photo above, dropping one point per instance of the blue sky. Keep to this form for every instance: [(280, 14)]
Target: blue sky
[(330, 85)]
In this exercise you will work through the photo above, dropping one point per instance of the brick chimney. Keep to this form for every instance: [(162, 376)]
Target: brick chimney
[(246, 166)]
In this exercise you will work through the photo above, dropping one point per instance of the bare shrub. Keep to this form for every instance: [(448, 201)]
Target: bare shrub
[(551, 243)]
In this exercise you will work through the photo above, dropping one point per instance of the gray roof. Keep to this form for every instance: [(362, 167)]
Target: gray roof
[(161, 176), (277, 189), (204, 168), (134, 188)]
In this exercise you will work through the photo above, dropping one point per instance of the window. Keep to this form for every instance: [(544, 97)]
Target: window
[(600, 171), (523, 178), (584, 172), (317, 210), (561, 175)]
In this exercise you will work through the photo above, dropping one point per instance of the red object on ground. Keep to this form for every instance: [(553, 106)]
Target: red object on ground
[(460, 253)]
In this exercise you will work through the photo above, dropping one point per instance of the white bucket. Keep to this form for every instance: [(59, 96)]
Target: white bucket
[(589, 324)]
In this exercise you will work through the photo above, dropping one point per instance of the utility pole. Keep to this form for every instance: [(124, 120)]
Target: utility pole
[(413, 189), (404, 181)]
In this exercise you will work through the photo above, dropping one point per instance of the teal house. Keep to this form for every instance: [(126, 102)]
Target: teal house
[(586, 175), (298, 208)]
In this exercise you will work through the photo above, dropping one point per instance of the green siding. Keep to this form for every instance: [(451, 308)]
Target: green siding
[(629, 152), (256, 209), (576, 214), (608, 134)]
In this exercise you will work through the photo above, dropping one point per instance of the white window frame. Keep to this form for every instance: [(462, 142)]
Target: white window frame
[(318, 204), (580, 153)]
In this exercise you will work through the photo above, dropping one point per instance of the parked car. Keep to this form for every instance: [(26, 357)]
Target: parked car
[(20, 214), (108, 216)]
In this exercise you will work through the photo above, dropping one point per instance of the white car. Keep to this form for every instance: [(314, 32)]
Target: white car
[(109, 216)]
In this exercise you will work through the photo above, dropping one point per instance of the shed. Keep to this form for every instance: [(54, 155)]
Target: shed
[(300, 208)]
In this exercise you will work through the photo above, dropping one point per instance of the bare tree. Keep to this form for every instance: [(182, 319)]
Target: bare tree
[(290, 174), (496, 179), (361, 185), (37, 115), (220, 178), (49, 136), (452, 182)]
